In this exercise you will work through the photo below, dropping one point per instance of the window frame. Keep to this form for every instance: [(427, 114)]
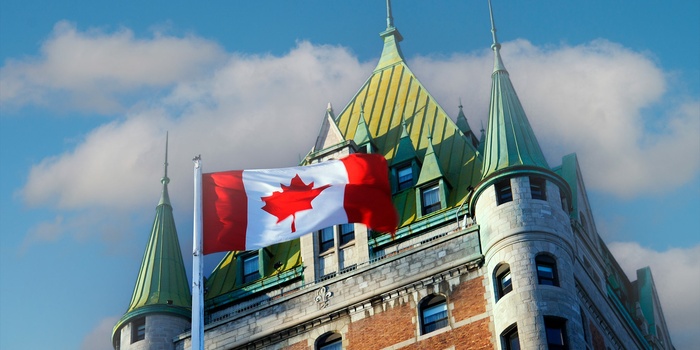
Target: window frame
[(546, 261), (508, 336), (430, 303), (138, 329), (329, 341), (406, 183), (325, 245), (504, 191), (427, 209), (501, 272), (538, 188), (555, 327), (254, 275), (346, 236)]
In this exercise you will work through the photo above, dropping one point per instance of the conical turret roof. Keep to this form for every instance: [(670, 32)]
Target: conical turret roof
[(161, 285), (510, 141)]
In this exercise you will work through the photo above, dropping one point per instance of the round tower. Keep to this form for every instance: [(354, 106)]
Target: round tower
[(525, 232), (160, 307)]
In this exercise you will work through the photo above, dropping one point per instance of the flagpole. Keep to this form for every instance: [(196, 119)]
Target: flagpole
[(197, 262)]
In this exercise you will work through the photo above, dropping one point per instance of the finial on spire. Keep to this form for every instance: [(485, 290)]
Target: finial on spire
[(165, 178), (389, 18), (460, 103), (496, 46)]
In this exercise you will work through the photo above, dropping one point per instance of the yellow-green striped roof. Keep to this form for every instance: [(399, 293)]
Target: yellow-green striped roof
[(392, 95)]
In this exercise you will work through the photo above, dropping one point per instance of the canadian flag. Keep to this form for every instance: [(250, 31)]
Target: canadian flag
[(251, 209)]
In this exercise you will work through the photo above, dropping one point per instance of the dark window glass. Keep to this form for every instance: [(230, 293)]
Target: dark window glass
[(504, 282), (431, 199), (138, 330), (546, 270), (555, 328), (347, 233), (330, 341), (326, 239), (405, 178), (538, 188), (503, 192), (510, 339), (433, 313), (250, 269)]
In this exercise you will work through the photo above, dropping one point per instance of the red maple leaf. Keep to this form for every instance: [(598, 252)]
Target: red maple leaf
[(292, 199)]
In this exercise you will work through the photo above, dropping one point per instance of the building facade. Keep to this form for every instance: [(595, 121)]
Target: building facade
[(495, 248)]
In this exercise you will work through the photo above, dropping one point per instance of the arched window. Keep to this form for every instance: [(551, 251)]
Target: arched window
[(546, 270), (329, 341), (555, 328), (433, 313), (504, 284), (510, 339)]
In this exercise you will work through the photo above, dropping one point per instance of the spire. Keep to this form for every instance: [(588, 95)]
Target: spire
[(405, 150), (496, 46), (510, 140), (430, 170), (164, 197), (391, 53), (362, 134), (161, 285)]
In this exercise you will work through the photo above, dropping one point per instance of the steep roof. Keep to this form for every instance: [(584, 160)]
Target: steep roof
[(392, 95), (161, 285), (510, 141)]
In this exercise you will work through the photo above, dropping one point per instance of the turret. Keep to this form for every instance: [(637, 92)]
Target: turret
[(521, 207), (160, 307)]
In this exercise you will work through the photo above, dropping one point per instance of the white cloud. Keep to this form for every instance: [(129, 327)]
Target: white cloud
[(95, 71), (251, 111), (608, 104), (99, 337), (677, 278)]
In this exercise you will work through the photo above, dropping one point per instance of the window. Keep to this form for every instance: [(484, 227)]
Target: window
[(555, 328), (326, 239), (330, 341), (503, 192), (404, 177), (250, 269), (138, 329), (546, 270), (538, 188), (433, 313), (510, 339), (504, 284), (347, 233), (430, 199)]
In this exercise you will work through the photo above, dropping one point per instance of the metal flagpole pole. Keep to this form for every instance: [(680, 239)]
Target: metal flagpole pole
[(197, 262)]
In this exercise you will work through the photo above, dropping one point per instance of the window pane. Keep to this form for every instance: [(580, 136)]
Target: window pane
[(503, 192), (504, 283), (434, 316), (538, 188), (431, 199), (326, 239), (347, 233), (250, 269), (405, 178)]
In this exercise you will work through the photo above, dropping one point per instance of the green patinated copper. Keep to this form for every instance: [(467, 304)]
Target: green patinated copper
[(510, 141), (430, 171), (392, 96), (162, 285), (362, 134)]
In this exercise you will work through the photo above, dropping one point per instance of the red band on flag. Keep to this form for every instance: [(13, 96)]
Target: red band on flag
[(224, 211), (368, 193)]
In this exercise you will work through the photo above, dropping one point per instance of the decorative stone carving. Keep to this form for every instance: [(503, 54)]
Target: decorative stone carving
[(323, 296)]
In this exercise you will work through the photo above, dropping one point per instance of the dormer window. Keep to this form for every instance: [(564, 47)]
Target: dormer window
[(250, 269), (404, 176), (430, 199)]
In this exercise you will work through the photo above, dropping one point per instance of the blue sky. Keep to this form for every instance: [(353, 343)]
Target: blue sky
[(88, 90)]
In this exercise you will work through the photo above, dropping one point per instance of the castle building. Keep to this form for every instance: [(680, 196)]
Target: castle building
[(495, 248)]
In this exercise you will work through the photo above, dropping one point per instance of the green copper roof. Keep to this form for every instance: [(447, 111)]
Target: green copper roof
[(162, 284), (392, 96), (274, 260), (362, 135), (392, 52), (510, 140), (430, 170), (462, 122)]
